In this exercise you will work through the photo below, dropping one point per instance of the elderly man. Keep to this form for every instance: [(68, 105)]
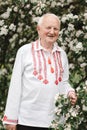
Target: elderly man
[(40, 72)]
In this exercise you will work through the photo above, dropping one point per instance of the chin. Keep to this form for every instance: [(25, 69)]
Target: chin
[(52, 41)]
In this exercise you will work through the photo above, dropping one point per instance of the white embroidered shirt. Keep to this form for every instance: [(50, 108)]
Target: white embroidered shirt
[(37, 77)]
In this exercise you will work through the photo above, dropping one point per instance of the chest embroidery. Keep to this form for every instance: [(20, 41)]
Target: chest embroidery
[(57, 69)]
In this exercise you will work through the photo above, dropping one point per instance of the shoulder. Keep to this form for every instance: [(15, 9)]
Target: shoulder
[(62, 51), (63, 54), (25, 47), (23, 50), (59, 49)]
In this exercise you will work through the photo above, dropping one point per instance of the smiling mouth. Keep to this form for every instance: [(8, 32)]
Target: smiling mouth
[(51, 36)]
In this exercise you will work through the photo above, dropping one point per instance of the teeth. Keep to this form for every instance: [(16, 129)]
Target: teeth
[(50, 36)]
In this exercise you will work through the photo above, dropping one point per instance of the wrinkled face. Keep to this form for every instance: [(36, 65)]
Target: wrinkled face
[(48, 30)]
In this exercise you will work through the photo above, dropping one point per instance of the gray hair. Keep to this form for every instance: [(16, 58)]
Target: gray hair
[(46, 15)]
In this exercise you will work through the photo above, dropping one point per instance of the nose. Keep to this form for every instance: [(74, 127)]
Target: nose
[(52, 31)]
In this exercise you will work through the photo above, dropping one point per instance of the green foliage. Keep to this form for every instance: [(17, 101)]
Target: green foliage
[(69, 117), (18, 20)]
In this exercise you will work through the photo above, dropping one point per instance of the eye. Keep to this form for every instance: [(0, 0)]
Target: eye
[(48, 28), (56, 29)]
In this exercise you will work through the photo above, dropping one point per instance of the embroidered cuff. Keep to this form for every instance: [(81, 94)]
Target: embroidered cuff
[(6, 119)]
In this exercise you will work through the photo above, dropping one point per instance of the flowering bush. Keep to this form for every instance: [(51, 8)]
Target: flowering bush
[(68, 116), (18, 20)]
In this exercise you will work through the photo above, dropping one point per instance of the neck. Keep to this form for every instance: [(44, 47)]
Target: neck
[(48, 46)]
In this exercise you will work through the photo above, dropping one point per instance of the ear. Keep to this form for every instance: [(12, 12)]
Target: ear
[(38, 28)]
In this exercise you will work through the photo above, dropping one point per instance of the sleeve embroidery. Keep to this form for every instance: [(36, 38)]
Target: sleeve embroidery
[(5, 118)]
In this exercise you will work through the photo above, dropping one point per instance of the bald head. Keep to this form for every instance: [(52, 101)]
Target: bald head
[(42, 18)]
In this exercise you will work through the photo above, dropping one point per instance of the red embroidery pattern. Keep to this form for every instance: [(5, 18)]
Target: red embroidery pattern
[(45, 68), (56, 68), (51, 67), (34, 60), (5, 118), (40, 77), (60, 66)]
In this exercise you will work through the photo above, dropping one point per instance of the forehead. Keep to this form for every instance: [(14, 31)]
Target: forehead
[(50, 20)]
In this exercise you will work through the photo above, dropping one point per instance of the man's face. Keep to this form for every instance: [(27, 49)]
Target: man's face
[(49, 30)]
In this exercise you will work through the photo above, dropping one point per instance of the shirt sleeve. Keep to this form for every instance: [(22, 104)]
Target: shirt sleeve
[(65, 86), (14, 93)]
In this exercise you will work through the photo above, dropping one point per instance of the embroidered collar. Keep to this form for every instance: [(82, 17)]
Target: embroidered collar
[(55, 47), (41, 71)]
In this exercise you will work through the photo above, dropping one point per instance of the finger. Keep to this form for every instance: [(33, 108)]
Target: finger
[(73, 101)]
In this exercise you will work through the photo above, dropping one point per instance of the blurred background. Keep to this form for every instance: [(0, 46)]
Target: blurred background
[(18, 19)]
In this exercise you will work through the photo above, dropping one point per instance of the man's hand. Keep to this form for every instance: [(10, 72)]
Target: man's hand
[(10, 127), (73, 98)]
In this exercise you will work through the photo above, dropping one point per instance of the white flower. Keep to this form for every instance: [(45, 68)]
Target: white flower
[(5, 15), (56, 97), (30, 12), (38, 10), (20, 24), (84, 108), (80, 59), (71, 45), (1, 22), (27, 6), (85, 88), (9, 9), (3, 71), (84, 27), (79, 45), (78, 33), (85, 15), (68, 126), (75, 16), (63, 19), (15, 9), (71, 66), (74, 113), (66, 32), (58, 111), (86, 82), (12, 27), (13, 38), (20, 41), (36, 19), (11, 59), (33, 1), (24, 39), (83, 65), (77, 89), (70, 111), (69, 1), (12, 44), (82, 101), (53, 4), (4, 30), (77, 107), (67, 116), (58, 4), (70, 27), (22, 16), (19, 29), (43, 5), (70, 15), (85, 36)]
